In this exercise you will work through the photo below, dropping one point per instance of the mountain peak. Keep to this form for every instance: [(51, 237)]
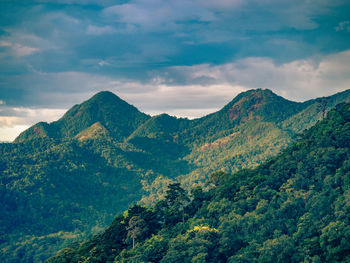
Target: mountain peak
[(104, 95), (118, 117), (260, 91), (260, 104), (105, 99)]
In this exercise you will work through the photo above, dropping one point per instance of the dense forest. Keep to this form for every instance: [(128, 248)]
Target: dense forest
[(294, 207), (66, 180)]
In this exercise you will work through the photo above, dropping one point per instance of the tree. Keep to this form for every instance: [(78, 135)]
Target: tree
[(174, 193), (216, 178), (136, 229), (176, 199)]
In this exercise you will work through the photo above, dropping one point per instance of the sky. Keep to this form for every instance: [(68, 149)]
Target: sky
[(187, 58)]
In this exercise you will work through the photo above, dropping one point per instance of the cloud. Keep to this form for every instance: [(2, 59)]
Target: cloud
[(5, 44), (20, 50), (103, 63), (66, 89), (236, 15), (13, 116), (180, 100), (181, 87), (298, 80), (185, 89), (95, 30), (17, 50), (138, 36), (343, 26), (76, 2), (9, 133), (14, 120), (222, 5), (157, 15)]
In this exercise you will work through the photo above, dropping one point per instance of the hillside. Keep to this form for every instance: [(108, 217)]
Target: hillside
[(293, 208), (64, 180), (116, 115), (254, 126)]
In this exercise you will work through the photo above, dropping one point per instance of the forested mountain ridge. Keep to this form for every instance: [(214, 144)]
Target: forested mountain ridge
[(69, 178), (119, 117), (254, 105), (295, 207)]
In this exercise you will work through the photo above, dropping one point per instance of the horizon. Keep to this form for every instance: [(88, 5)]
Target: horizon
[(183, 58)]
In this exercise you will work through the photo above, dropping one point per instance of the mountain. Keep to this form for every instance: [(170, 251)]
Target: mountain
[(254, 126), (67, 179), (292, 208), (117, 116), (252, 105)]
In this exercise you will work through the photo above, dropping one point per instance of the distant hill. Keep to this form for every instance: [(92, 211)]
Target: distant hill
[(292, 208), (63, 180)]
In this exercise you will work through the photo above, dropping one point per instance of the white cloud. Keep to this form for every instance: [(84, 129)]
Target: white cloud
[(42, 32), (343, 26), (77, 2), (229, 15), (298, 80), (14, 120), (96, 30), (221, 5), (5, 44), (158, 15), (21, 51), (17, 49), (8, 134), (103, 63), (180, 100), (14, 116)]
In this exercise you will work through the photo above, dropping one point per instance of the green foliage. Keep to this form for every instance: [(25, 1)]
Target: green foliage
[(99, 248), (136, 229), (74, 175), (293, 208), (67, 187)]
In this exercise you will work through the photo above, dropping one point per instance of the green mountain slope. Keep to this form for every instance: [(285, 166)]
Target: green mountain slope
[(253, 105), (67, 187), (104, 154), (293, 208), (117, 116), (254, 126)]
